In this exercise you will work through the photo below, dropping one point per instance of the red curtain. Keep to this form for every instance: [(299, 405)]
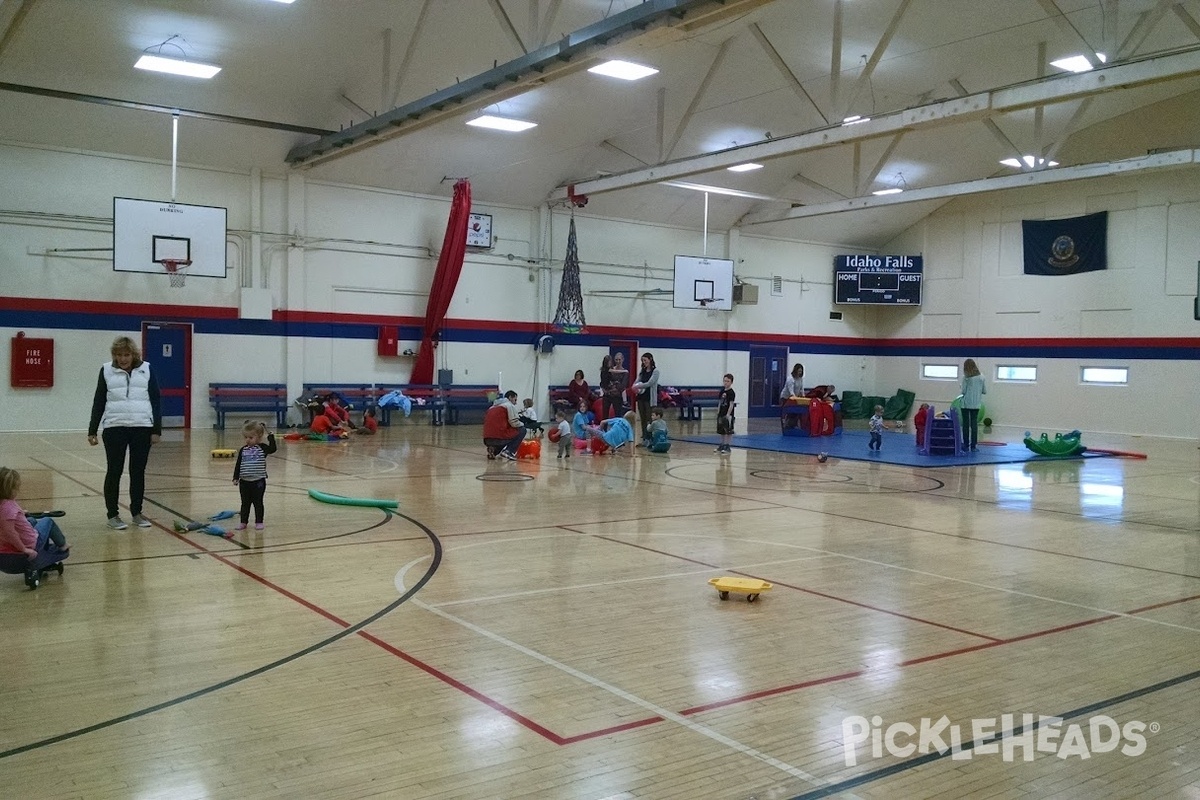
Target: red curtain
[(445, 279)]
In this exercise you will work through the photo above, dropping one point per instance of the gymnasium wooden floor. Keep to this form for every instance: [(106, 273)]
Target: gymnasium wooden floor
[(545, 629)]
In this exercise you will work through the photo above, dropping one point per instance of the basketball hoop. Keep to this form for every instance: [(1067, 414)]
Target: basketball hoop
[(177, 270)]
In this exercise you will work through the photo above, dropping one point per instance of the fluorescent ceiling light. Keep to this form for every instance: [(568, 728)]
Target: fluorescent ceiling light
[(1077, 63), (625, 70), (744, 167), (701, 187), (856, 119), (501, 123), (288, 2), (893, 190), (1028, 162), (176, 66)]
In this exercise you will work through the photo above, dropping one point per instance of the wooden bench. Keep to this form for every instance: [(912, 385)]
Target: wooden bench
[(691, 400), (249, 398), (431, 395), (467, 397)]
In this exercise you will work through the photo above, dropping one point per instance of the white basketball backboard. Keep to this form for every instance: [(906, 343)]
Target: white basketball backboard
[(148, 232), (703, 283)]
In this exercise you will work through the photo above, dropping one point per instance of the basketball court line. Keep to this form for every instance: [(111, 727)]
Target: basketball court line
[(348, 629), (928, 758), (792, 586), (601, 584), (628, 724), (628, 697)]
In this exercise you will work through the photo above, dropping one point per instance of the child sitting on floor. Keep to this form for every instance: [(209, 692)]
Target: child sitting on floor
[(657, 431)]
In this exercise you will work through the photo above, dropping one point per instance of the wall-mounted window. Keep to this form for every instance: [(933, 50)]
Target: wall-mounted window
[(1016, 374), (939, 372), (1104, 376)]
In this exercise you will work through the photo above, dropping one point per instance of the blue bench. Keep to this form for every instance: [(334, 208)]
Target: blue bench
[(467, 397), (691, 400), (249, 398), (430, 396), (356, 396)]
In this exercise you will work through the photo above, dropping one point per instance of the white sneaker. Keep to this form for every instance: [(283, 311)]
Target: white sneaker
[(117, 524), (141, 521)]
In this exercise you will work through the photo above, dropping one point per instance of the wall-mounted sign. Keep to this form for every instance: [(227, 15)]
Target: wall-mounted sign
[(32, 361), (877, 280)]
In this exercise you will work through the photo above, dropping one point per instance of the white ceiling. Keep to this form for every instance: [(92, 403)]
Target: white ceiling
[(329, 64)]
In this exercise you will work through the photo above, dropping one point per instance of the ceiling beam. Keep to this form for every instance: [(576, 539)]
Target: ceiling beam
[(402, 72), (699, 95), (160, 109), (784, 70), (12, 14), (1159, 161), (1053, 89), (507, 26), (864, 77), (662, 19)]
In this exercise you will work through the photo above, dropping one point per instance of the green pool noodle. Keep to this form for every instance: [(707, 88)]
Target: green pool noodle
[(340, 500)]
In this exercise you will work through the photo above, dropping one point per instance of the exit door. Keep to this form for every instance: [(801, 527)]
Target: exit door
[(768, 371), (168, 348)]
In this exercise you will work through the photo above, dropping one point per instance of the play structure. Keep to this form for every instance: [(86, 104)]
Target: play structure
[(810, 417), (1061, 445), (941, 435)]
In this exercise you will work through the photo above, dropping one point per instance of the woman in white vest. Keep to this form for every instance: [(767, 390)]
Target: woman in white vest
[(127, 413)]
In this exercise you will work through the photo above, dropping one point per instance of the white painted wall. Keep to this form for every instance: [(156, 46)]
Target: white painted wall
[(976, 289), (355, 252)]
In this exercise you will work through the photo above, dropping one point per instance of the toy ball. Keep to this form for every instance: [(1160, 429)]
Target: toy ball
[(530, 448), (822, 457), (554, 435)]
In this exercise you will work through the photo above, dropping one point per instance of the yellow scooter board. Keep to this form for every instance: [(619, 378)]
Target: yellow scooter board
[(747, 586), (221, 452)]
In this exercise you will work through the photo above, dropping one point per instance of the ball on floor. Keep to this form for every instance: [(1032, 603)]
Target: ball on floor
[(822, 457)]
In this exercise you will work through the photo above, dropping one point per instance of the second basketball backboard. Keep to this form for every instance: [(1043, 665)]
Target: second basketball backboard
[(703, 283)]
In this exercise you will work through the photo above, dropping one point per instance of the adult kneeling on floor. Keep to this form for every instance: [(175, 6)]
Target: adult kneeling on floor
[(502, 428)]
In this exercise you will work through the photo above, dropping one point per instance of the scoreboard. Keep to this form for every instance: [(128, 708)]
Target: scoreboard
[(877, 280)]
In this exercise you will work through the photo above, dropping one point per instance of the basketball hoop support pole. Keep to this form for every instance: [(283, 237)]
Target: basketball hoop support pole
[(174, 151)]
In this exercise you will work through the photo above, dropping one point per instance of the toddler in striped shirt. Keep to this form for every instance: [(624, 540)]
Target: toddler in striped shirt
[(250, 471)]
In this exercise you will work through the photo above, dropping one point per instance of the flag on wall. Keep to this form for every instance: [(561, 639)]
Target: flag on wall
[(1066, 246)]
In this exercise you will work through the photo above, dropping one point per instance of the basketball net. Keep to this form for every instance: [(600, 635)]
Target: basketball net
[(176, 270)]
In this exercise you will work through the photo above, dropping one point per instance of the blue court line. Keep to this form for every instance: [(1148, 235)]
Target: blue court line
[(886, 772)]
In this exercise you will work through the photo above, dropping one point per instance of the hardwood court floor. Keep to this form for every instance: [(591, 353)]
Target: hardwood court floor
[(545, 629)]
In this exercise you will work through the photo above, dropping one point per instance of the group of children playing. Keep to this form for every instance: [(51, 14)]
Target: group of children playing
[(589, 437), (333, 419)]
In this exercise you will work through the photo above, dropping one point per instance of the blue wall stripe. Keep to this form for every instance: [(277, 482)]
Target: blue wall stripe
[(1172, 349)]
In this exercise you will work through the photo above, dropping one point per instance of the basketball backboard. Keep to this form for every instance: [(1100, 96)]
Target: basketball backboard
[(147, 233), (704, 283)]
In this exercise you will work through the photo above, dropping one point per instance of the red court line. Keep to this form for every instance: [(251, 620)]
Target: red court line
[(551, 736), (464, 688), (877, 608), (1165, 604)]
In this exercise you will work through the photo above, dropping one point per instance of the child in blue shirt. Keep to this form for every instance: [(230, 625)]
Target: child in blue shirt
[(616, 432)]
